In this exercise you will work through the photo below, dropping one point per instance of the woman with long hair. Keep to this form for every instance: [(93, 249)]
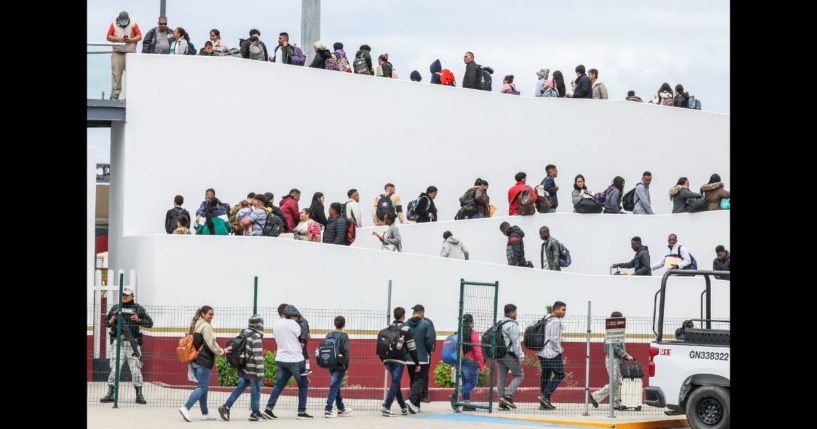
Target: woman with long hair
[(307, 229), (213, 224), (559, 82), (316, 210), (218, 43), (684, 200), (204, 340), (612, 202), (664, 96), (472, 360), (713, 192), (583, 200), (180, 38)]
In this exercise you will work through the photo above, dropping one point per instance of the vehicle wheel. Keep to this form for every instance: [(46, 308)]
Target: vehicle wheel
[(708, 407)]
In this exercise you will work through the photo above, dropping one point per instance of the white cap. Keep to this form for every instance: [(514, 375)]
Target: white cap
[(127, 291)]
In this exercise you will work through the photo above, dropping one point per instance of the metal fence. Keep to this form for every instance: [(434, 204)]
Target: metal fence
[(166, 383)]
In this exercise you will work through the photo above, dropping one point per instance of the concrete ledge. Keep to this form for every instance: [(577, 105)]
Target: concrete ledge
[(606, 422)]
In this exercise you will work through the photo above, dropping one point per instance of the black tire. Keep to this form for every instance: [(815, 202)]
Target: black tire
[(709, 407)]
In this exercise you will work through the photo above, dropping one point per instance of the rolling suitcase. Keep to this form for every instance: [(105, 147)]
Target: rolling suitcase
[(632, 385)]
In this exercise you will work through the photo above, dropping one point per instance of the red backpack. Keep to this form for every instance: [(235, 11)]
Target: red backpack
[(351, 232), (447, 78)]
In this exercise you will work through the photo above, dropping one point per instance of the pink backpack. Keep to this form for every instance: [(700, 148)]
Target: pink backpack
[(668, 102)]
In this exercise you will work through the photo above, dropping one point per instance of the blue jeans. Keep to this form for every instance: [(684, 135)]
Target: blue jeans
[(336, 378), (255, 392), (396, 371), (549, 366), (202, 375), (477, 216), (286, 370), (470, 375)]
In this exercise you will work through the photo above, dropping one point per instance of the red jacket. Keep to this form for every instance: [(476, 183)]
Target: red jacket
[(290, 208), (513, 201), (476, 351)]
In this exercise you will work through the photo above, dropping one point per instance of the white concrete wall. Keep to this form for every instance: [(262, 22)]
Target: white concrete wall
[(90, 221), (595, 241), (192, 271), (241, 126)]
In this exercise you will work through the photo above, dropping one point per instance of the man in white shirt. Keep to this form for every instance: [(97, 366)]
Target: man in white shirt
[(685, 261), (550, 357), (288, 360), (351, 208)]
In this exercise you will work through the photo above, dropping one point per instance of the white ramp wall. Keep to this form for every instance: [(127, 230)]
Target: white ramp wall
[(218, 271), (595, 241), (240, 126)]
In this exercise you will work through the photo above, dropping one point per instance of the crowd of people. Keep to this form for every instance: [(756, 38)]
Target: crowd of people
[(164, 40)]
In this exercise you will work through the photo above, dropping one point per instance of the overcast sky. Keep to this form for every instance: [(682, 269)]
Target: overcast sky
[(635, 44)]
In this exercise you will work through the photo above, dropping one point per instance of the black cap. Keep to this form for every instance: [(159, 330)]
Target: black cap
[(418, 307)]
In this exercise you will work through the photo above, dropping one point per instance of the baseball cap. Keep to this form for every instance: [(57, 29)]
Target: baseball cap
[(127, 291), (418, 307)]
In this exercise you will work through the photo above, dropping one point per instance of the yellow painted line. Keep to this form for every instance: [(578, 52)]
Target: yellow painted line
[(637, 424)]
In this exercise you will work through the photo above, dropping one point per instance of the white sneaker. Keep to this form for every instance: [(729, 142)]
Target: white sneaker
[(329, 414), (413, 408), (185, 413), (208, 417), (345, 412)]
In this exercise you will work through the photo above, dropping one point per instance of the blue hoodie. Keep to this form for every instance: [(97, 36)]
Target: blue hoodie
[(435, 69)]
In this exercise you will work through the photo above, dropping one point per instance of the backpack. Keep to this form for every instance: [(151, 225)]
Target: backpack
[(256, 50), (273, 225), (331, 63), (486, 80), (186, 351), (387, 340), (628, 200), (351, 231), (411, 210), (241, 352), (552, 92), (327, 352), (297, 58), (602, 196), (232, 52), (526, 205), (564, 256), (191, 50), (450, 350), (359, 64), (543, 200), (668, 102), (468, 198), (488, 340), (588, 205), (534, 338), (693, 103), (384, 206), (513, 90), (446, 77), (343, 63), (693, 265)]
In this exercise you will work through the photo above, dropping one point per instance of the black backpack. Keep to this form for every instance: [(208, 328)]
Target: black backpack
[(384, 205), (273, 225), (628, 200), (387, 340), (241, 352), (191, 50), (486, 80), (488, 339), (535, 335), (327, 352)]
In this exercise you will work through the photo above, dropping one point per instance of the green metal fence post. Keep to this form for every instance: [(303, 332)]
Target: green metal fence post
[(493, 352), (118, 343), (255, 297)]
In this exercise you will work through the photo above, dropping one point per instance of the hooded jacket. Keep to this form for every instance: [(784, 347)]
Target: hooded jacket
[(319, 61), (640, 262), (583, 87), (718, 265), (515, 249), (254, 332), (289, 207), (680, 196), (454, 249), (424, 338), (713, 192), (425, 206), (435, 69)]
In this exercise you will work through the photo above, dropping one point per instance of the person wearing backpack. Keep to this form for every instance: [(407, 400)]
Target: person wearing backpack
[(285, 53), (713, 192), (425, 337), (250, 375), (550, 357), (401, 339), (173, 214), (681, 98), (508, 86), (472, 360), (337, 226), (180, 41), (253, 48), (363, 61), (426, 211), (641, 261), (550, 250), (514, 192), (158, 39), (612, 203), (511, 361), (549, 182), (336, 375), (473, 76), (134, 316), (257, 218), (515, 248), (322, 56), (619, 352), (641, 198), (340, 56), (683, 260), (201, 368), (684, 200), (351, 208), (289, 360), (453, 247), (583, 200), (387, 202)]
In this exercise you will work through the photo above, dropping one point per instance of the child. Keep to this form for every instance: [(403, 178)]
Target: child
[(182, 223), (245, 210), (336, 375), (252, 374), (286, 310)]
